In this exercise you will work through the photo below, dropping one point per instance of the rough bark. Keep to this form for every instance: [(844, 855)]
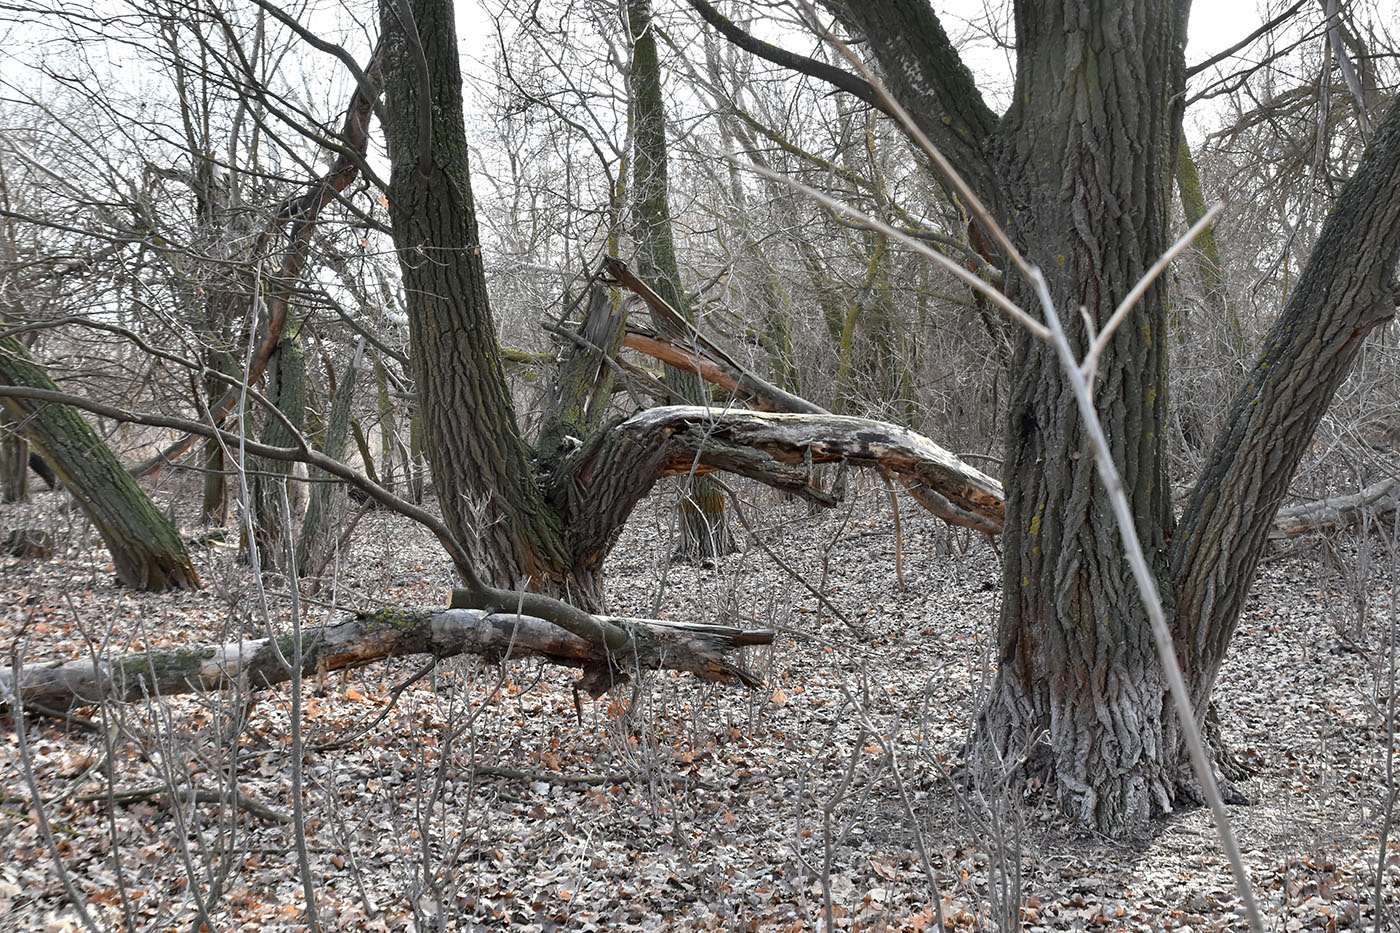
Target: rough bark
[(364, 639), (479, 460), (1089, 148), (1079, 172), (1347, 289), (145, 547)]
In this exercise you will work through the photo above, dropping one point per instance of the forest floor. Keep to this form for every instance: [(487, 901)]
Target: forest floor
[(480, 797)]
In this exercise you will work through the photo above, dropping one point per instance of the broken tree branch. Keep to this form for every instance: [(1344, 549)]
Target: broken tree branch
[(654, 644), (779, 449), (1376, 500)]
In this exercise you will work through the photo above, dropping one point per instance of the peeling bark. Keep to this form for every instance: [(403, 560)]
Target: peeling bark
[(780, 449)]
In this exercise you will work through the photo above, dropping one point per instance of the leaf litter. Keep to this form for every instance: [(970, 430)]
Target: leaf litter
[(480, 796)]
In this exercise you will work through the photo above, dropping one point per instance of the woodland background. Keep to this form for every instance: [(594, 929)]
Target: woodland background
[(159, 157)]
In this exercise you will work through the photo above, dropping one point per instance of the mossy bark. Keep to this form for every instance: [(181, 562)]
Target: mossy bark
[(705, 532), (145, 546)]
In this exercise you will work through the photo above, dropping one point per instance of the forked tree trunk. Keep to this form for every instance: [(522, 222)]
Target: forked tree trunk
[(1080, 177), (145, 547), (546, 524)]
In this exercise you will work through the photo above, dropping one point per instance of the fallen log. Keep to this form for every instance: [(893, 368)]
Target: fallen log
[(1375, 501), (363, 639)]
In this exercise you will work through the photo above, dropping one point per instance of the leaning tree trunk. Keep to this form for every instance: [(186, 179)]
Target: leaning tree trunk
[(144, 545), (479, 460), (1347, 289), (704, 531)]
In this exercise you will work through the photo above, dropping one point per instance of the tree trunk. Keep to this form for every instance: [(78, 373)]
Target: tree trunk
[(214, 503), (1089, 160), (14, 463), (479, 460), (705, 531), (144, 545), (1081, 181), (287, 390), (1347, 289), (316, 525)]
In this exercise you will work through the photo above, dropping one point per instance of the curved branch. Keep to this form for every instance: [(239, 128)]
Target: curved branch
[(923, 71), (844, 80), (682, 346), (780, 450)]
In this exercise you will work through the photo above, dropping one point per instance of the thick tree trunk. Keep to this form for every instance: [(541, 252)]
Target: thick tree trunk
[(1090, 145), (480, 462), (144, 545), (1081, 182)]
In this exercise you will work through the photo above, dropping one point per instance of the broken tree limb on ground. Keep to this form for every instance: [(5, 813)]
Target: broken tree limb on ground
[(780, 448), (654, 644), (1375, 501)]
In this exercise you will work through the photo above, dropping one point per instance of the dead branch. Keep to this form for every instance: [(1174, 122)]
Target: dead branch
[(684, 347), (780, 448), (1375, 501), (364, 639)]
